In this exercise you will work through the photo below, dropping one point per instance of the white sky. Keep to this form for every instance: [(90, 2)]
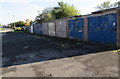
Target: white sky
[(27, 9)]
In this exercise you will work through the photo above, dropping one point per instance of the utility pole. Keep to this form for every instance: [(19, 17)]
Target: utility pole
[(38, 13), (14, 20)]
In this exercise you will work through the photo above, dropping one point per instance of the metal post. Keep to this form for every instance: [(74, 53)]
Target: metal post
[(38, 13), (14, 22)]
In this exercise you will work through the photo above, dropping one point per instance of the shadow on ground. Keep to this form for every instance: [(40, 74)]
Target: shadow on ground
[(23, 48)]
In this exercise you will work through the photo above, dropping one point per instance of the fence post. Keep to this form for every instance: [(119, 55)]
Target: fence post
[(85, 29), (118, 28)]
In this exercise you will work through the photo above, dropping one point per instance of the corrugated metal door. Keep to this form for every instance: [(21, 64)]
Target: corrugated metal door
[(61, 28), (109, 28), (80, 28), (31, 29), (102, 29), (58, 27), (39, 30), (76, 28), (72, 28), (51, 28), (94, 24), (45, 28), (35, 29)]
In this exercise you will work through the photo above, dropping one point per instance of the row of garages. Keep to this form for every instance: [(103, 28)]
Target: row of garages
[(57, 28), (100, 28)]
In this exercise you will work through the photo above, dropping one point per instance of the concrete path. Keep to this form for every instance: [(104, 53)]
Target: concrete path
[(103, 64)]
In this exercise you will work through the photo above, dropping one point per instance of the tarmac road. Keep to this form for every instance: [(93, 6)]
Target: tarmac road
[(68, 58)]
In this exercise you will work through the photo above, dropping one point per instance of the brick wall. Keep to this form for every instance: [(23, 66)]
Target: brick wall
[(67, 28), (118, 29), (86, 29)]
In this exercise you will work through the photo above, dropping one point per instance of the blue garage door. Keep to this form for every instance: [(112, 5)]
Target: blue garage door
[(103, 28), (72, 28), (38, 29), (76, 28), (35, 29)]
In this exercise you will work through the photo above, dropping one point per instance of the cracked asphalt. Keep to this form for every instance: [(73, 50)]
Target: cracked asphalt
[(27, 55)]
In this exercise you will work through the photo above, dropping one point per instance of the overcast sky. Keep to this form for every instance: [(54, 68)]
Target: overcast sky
[(27, 9)]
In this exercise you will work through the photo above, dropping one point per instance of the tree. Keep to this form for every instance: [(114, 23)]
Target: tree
[(31, 22), (104, 5), (117, 4), (27, 23), (64, 10), (20, 24), (11, 25), (107, 5), (60, 11), (45, 15), (17, 24)]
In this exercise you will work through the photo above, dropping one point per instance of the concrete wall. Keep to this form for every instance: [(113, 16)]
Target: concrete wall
[(118, 29)]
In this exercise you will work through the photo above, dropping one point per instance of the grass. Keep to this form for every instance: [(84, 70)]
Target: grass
[(17, 28), (117, 51), (1, 29)]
